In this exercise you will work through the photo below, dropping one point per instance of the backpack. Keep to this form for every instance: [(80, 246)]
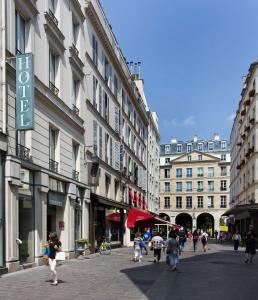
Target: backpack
[(204, 239)]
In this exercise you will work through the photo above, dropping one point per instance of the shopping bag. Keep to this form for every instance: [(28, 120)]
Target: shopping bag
[(46, 253), (60, 256)]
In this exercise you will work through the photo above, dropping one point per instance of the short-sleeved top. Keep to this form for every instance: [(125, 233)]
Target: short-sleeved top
[(138, 243), (157, 242), (146, 236), (172, 245), (52, 249)]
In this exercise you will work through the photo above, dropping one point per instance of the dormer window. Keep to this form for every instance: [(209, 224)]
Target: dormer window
[(189, 148), (210, 146), (179, 148), (167, 149), (200, 147), (223, 145)]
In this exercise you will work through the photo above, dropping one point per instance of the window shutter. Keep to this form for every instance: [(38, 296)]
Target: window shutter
[(144, 180), (94, 92), (100, 142), (117, 129), (140, 173), (117, 155), (95, 134), (111, 151), (122, 164), (100, 99)]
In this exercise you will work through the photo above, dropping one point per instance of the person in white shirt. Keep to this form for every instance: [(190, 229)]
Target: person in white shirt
[(204, 240), (157, 244), (138, 245), (237, 240)]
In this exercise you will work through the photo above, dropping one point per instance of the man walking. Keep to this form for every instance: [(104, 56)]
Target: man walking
[(146, 239), (157, 243), (172, 246), (182, 238), (195, 239), (250, 245)]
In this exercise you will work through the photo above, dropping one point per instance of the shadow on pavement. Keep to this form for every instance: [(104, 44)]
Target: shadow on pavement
[(222, 275)]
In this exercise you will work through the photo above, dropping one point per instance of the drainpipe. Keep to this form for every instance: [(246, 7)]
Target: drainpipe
[(4, 65)]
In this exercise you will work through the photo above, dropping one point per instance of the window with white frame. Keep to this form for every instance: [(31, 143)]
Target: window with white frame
[(210, 186), (200, 172), (189, 158), (223, 201), (199, 157), (167, 160), (167, 187), (189, 147), (210, 146), (188, 202), (189, 172), (223, 145), (223, 185), (210, 201), (178, 202), (179, 148), (223, 171), (189, 186), (166, 202), (75, 148), (200, 201), (95, 50), (166, 173), (167, 149), (200, 147), (199, 186), (179, 186), (210, 171), (223, 157), (178, 172)]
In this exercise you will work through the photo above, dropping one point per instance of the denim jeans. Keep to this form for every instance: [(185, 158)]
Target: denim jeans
[(173, 257)]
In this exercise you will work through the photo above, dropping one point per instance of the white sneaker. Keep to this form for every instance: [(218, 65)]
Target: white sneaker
[(54, 283)]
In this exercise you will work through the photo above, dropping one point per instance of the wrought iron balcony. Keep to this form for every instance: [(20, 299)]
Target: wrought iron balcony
[(76, 109), (53, 165), (75, 175), (53, 17), (23, 152), (53, 88), (200, 190)]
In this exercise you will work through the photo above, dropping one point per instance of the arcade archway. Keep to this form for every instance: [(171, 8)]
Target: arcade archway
[(184, 220), (205, 222)]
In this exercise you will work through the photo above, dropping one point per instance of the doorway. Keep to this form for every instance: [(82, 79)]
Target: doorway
[(51, 219)]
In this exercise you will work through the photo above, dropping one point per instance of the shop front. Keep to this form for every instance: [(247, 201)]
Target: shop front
[(107, 219), (1, 214), (26, 217), (56, 206)]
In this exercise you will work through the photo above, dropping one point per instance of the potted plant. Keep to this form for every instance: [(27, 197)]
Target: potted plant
[(83, 243)]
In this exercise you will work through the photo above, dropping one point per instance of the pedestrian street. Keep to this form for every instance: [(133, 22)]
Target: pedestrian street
[(220, 273)]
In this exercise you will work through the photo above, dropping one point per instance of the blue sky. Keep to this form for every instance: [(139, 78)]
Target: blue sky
[(193, 53)]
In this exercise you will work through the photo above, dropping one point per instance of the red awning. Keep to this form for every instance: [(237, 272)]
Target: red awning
[(115, 217), (131, 195), (135, 215)]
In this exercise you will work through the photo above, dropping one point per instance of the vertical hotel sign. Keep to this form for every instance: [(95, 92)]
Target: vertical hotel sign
[(24, 92)]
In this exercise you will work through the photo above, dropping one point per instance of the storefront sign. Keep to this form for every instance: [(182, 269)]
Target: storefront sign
[(56, 199), (24, 92)]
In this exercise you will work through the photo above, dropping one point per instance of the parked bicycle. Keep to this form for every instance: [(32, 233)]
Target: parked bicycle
[(105, 246)]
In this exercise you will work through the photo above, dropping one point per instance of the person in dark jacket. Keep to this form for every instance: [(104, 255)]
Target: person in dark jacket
[(250, 244)]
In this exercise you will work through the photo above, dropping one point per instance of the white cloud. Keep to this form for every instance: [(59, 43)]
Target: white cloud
[(187, 122), (230, 118)]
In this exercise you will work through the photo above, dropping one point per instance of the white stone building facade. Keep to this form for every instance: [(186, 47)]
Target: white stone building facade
[(84, 164)]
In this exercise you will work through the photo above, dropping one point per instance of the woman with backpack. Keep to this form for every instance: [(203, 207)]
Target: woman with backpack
[(195, 239)]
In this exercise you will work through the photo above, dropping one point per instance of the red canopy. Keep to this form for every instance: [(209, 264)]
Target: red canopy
[(135, 215), (115, 217)]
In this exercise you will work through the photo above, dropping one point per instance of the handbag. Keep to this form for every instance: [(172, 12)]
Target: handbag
[(46, 253), (60, 255)]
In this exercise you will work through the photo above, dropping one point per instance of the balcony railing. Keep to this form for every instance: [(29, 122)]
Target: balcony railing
[(76, 109), (53, 88), (53, 17), (200, 190), (53, 165), (23, 152), (75, 175)]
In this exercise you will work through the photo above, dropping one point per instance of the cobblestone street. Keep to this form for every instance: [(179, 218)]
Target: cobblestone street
[(218, 274)]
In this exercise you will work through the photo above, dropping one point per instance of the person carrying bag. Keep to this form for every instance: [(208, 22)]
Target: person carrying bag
[(54, 248)]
